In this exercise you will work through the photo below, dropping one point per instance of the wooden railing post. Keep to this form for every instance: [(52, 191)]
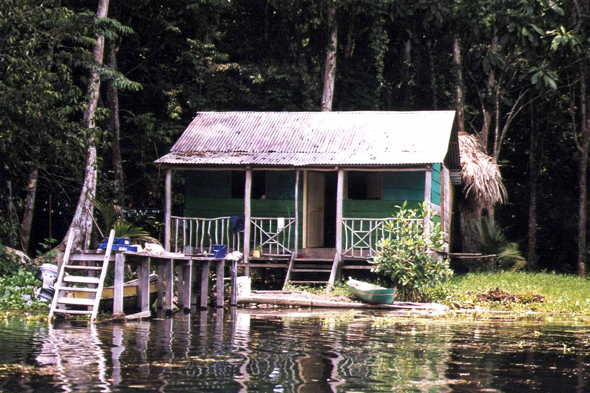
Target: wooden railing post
[(339, 211), (427, 199), (168, 210), (296, 213), (247, 218)]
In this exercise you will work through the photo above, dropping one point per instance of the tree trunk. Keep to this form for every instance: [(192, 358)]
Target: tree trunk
[(459, 95), (112, 102), (81, 224), (487, 117), (406, 73), (29, 209), (583, 183), (432, 70), (350, 41), (534, 185), (12, 236), (330, 65)]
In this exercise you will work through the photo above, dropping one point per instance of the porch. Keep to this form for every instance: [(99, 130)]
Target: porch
[(273, 244)]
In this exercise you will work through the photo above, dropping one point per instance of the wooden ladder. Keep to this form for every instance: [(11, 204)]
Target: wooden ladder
[(71, 279)]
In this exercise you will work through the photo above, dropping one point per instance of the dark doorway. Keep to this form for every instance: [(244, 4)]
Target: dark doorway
[(330, 213)]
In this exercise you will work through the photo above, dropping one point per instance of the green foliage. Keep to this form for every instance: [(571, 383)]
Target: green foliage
[(9, 262), (113, 218), (491, 240), (17, 291), (407, 257)]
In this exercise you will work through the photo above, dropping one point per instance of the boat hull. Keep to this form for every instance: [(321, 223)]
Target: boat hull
[(374, 295)]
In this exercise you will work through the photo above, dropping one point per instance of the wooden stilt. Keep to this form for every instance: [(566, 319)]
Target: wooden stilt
[(118, 283), (220, 267), (204, 283)]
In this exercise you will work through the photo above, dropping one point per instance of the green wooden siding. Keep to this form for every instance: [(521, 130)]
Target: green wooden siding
[(207, 196), (374, 209), (403, 186), (436, 178)]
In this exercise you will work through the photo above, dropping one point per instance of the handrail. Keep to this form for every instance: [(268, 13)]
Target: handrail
[(273, 235), (362, 234), (192, 235)]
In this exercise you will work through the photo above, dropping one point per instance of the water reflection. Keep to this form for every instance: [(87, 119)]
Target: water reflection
[(240, 350)]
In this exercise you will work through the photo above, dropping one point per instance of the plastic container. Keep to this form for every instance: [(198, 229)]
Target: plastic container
[(219, 251)]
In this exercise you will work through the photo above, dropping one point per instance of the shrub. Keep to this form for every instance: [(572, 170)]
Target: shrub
[(408, 258), (491, 240)]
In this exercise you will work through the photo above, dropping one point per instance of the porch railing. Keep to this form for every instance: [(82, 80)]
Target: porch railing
[(360, 235), (198, 235), (273, 236)]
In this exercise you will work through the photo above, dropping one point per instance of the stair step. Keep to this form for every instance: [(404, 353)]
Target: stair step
[(310, 266), (356, 267), (75, 301), (82, 279), (97, 257), (277, 265), (314, 259), (78, 289), (77, 312), (307, 282), (80, 267), (295, 270)]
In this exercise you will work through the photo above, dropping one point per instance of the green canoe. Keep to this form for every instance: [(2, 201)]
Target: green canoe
[(370, 293)]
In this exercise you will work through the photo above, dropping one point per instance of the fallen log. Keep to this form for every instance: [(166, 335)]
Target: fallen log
[(332, 304)]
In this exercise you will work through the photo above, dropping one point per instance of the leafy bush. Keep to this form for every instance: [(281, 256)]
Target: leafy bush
[(491, 240), (407, 257), (17, 291)]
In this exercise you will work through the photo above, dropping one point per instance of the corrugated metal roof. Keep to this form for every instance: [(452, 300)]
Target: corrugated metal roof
[(313, 138)]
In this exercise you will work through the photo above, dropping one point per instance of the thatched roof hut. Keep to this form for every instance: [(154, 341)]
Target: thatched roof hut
[(480, 173)]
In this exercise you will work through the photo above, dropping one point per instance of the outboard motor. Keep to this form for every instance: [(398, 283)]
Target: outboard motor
[(47, 274)]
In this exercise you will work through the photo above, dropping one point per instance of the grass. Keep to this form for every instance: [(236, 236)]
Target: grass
[(339, 289), (561, 293)]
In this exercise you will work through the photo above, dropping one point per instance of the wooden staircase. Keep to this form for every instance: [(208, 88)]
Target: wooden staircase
[(80, 273), (314, 270), (309, 271)]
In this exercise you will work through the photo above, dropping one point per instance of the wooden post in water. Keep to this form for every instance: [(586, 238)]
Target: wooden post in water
[(118, 283), (204, 283)]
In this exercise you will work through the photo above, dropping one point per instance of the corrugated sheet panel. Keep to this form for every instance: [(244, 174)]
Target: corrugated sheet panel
[(314, 138)]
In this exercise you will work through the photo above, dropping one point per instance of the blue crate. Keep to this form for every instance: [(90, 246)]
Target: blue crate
[(119, 247), (219, 251)]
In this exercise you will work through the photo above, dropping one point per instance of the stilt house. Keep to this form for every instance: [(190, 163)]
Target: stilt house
[(307, 191)]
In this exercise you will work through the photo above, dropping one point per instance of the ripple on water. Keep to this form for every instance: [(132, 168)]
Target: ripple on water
[(288, 352)]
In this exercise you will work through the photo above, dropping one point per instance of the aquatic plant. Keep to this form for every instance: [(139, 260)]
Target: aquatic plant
[(17, 291)]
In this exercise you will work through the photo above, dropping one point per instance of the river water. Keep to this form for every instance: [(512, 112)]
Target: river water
[(295, 351)]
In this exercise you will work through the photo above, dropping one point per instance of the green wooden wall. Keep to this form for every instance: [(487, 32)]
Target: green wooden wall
[(436, 176), (207, 195)]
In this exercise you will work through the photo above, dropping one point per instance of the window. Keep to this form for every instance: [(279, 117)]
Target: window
[(365, 185), (238, 184)]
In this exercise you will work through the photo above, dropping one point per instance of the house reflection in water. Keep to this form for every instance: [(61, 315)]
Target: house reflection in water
[(222, 350)]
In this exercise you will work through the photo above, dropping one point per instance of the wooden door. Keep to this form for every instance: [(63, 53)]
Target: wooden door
[(315, 208)]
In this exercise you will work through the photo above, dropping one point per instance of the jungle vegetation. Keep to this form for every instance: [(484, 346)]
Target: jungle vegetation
[(91, 93)]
